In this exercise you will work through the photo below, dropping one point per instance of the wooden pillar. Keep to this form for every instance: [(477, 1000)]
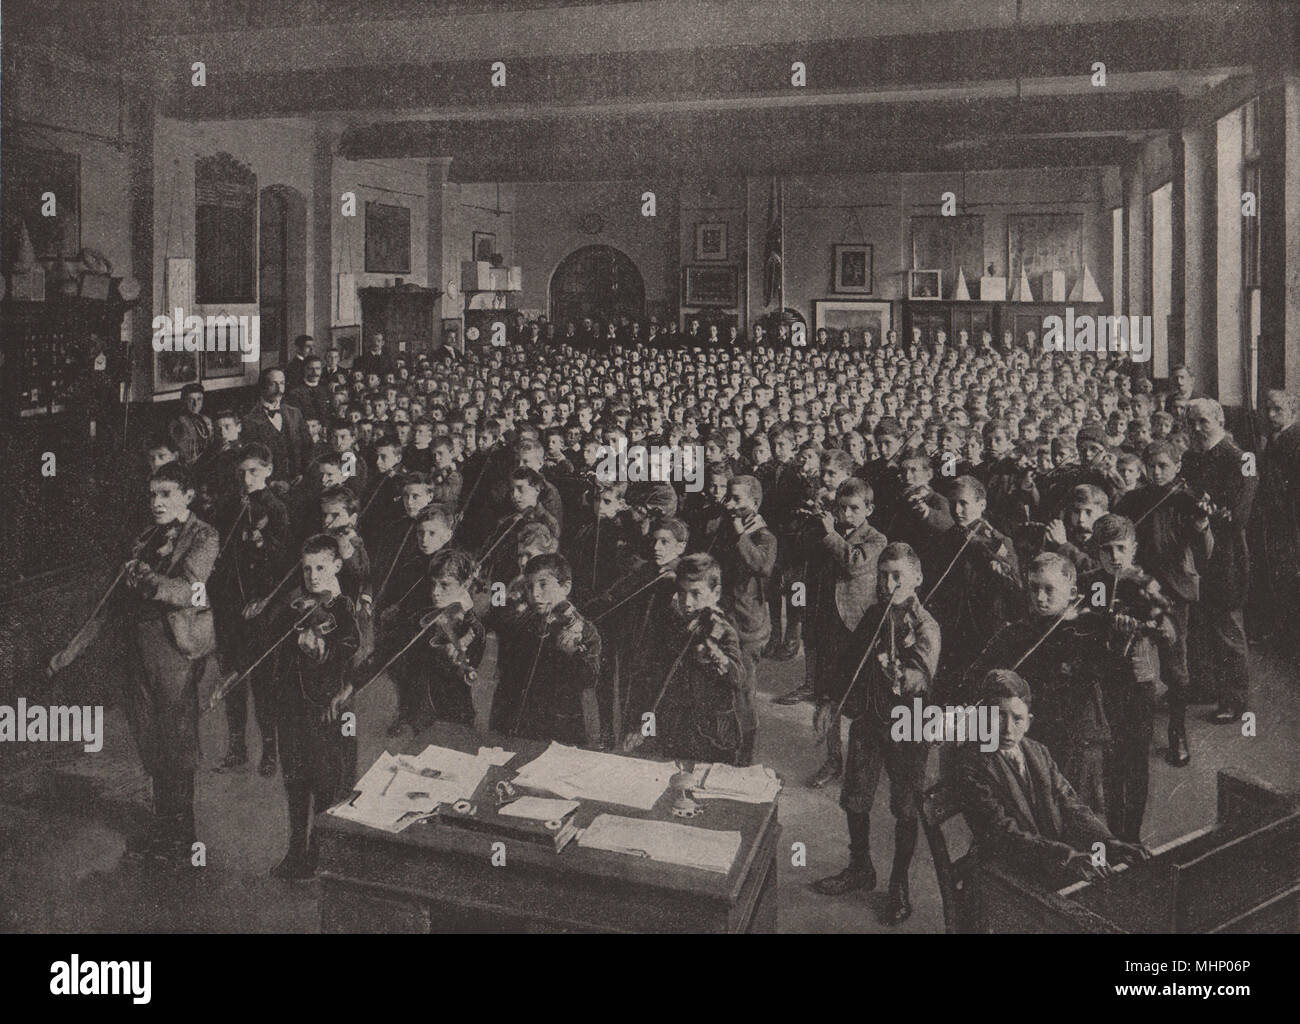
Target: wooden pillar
[(323, 204)]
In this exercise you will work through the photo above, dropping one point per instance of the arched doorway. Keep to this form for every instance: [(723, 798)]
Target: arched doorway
[(596, 281), (281, 270)]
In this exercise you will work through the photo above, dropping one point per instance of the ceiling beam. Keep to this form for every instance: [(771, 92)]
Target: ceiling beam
[(833, 66)]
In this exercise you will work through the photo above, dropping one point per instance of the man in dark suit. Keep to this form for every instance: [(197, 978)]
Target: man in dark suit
[(310, 395), (375, 359), (293, 373), (1022, 810), (277, 425), (1277, 516), (1217, 651)]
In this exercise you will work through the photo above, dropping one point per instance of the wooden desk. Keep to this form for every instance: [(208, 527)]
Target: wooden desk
[(1241, 874), (438, 877)]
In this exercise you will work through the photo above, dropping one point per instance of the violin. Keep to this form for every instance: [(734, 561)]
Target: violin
[(450, 634), (315, 621), (715, 712)]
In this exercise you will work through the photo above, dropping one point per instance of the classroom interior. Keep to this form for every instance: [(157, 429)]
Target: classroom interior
[(379, 153)]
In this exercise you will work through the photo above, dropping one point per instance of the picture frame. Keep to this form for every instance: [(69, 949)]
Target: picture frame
[(222, 365), (388, 239), (451, 333), (347, 339), (852, 269), (925, 285), (837, 315), (711, 242), (173, 370), (711, 287), (483, 246)]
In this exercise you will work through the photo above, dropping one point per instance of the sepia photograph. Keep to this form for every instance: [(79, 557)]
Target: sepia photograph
[(623, 571)]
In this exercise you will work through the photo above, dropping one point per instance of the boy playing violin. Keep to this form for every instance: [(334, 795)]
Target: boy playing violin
[(690, 691), (311, 667)]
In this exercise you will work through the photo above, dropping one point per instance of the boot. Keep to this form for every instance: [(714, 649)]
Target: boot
[(269, 759), (861, 873), (788, 649), (1179, 754), (294, 864), (898, 908)]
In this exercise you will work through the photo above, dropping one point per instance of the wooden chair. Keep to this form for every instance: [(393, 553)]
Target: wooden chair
[(939, 805)]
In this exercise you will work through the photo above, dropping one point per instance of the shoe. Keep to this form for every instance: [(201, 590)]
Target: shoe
[(787, 650), (266, 768), (233, 759), (291, 869), (796, 696), (1178, 755), (825, 775), (769, 648), (899, 907), (1227, 714), (851, 879)]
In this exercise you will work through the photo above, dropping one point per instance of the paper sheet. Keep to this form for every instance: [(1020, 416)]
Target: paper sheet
[(752, 785), (663, 841), (538, 808), (398, 790), (590, 775)]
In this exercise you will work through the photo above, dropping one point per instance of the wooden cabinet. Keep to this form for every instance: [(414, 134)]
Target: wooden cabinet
[(405, 315), (975, 317)]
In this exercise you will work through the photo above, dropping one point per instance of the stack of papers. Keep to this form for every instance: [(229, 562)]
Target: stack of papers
[(663, 841), (752, 785), (400, 790), (538, 808), (576, 774)]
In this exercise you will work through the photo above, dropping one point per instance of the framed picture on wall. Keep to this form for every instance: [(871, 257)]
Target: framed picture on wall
[(173, 370), (711, 286), (451, 333), (925, 284), (858, 318), (388, 239), (218, 365), (852, 269), (348, 341), (711, 241), (484, 246)]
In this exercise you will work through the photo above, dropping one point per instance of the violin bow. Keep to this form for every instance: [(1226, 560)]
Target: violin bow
[(970, 535), (663, 575), (220, 693), (391, 661), (264, 601), (103, 600), (532, 669), (865, 655), (1050, 630)]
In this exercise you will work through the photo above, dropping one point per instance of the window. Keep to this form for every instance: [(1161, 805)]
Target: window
[(225, 230)]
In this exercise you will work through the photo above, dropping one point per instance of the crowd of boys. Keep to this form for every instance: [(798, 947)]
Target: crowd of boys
[(963, 522)]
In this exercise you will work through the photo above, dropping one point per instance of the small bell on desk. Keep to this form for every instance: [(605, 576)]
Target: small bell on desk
[(683, 806)]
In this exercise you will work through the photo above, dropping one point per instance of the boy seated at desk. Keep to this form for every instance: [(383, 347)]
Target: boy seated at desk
[(1020, 807)]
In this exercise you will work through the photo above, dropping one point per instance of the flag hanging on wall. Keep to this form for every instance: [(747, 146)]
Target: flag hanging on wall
[(773, 268)]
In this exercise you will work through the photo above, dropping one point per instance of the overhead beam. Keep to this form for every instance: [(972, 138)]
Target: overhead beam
[(833, 66)]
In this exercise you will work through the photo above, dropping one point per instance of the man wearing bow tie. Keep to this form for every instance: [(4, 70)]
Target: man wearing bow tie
[(277, 425)]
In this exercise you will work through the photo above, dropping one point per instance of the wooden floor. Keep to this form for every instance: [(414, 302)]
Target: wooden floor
[(63, 818)]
